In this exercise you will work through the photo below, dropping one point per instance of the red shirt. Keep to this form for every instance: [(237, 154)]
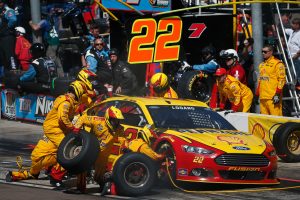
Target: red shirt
[(238, 72), (22, 52)]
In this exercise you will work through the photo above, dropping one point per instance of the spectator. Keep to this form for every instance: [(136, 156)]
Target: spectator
[(93, 34), (22, 49), (7, 39), (208, 57), (271, 82), (161, 87), (124, 81), (50, 36), (98, 62), (41, 71), (239, 95), (234, 69), (294, 45), (57, 123)]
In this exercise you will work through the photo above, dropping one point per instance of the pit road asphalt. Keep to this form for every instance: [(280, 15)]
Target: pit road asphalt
[(18, 139)]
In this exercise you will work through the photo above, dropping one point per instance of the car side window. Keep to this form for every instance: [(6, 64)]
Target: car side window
[(133, 114), (100, 109)]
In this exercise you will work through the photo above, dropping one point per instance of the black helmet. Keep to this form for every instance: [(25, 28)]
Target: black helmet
[(114, 51), (209, 50), (37, 50), (208, 53)]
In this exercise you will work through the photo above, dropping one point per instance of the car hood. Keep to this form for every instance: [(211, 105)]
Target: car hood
[(229, 141)]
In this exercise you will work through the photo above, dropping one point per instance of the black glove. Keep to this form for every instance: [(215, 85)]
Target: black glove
[(276, 98)]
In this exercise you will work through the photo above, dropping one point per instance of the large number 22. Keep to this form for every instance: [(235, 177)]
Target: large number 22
[(142, 49)]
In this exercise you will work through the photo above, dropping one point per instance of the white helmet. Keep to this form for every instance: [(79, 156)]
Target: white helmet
[(20, 30), (229, 54)]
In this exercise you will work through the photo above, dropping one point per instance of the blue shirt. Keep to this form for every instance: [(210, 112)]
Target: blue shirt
[(91, 60), (209, 67), (10, 16), (29, 75)]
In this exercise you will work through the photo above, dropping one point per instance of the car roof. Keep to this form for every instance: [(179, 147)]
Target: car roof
[(147, 101)]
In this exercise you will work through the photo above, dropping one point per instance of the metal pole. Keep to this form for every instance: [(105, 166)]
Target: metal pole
[(256, 10), (35, 8)]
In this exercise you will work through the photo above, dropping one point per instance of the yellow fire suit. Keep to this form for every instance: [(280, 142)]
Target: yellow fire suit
[(271, 82), (57, 123), (170, 93), (110, 139), (237, 93)]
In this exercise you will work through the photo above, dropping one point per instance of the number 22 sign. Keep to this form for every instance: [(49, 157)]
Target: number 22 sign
[(157, 43)]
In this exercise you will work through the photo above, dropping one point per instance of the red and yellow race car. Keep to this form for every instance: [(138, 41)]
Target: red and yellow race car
[(201, 145)]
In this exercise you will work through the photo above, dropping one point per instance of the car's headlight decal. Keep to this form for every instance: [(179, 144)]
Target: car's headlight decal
[(197, 150)]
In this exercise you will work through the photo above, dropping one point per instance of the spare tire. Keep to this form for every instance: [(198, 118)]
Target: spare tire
[(286, 141), (195, 85), (78, 152), (60, 85), (134, 174)]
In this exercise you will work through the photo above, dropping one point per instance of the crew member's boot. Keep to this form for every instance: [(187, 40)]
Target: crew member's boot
[(19, 175)]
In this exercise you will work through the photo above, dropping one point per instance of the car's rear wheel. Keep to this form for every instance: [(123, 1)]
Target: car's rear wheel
[(286, 141), (167, 172)]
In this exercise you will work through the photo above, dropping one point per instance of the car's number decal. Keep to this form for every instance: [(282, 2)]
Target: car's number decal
[(198, 159)]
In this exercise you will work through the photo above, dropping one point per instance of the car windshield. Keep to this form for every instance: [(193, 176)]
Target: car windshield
[(187, 117)]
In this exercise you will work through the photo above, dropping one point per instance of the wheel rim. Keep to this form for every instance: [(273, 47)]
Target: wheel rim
[(72, 148), (293, 142), (136, 174), (170, 155), (200, 91)]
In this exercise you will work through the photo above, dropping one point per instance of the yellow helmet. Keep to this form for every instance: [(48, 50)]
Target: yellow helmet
[(77, 89), (87, 77), (147, 135), (159, 82), (113, 116)]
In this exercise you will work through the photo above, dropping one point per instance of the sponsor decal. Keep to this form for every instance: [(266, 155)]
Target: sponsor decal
[(255, 169), (241, 148), (99, 127), (231, 139), (10, 104), (182, 172), (182, 108), (25, 105), (43, 106)]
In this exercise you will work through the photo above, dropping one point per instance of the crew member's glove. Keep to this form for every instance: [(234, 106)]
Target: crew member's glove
[(276, 98)]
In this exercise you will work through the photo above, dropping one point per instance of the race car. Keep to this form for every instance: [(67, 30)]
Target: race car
[(200, 144)]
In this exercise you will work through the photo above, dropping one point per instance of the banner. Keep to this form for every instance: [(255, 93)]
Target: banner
[(31, 107)]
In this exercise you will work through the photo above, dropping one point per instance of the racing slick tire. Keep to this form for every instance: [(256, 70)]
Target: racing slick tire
[(286, 141), (134, 174), (78, 152), (195, 85)]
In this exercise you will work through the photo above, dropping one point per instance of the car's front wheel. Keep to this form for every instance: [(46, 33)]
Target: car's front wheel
[(134, 174), (168, 170)]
